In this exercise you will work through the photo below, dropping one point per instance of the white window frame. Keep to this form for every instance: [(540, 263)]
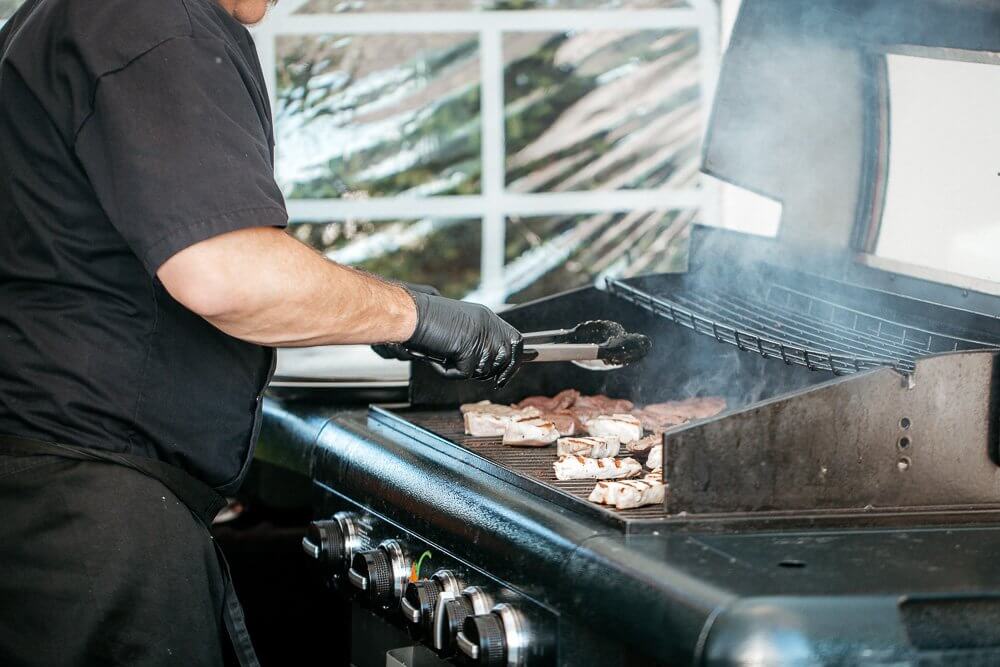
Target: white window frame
[(495, 204)]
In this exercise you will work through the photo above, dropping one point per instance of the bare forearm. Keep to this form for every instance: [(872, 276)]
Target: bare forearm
[(267, 288)]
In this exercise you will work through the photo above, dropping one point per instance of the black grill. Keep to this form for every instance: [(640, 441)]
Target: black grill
[(533, 464)]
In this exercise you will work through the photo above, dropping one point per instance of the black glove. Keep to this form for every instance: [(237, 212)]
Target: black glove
[(395, 350), (468, 340)]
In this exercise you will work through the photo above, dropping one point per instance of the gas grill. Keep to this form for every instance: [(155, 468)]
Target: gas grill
[(844, 509)]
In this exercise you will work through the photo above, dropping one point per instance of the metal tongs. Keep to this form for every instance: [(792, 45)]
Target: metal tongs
[(595, 345), (590, 344)]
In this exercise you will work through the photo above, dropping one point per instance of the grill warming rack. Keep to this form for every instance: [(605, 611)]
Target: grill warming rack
[(780, 322)]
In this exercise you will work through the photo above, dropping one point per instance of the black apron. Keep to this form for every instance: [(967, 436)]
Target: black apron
[(198, 497)]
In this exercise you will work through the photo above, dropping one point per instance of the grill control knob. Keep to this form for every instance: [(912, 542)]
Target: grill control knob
[(451, 613), (496, 639), (334, 541), (380, 573), (420, 600)]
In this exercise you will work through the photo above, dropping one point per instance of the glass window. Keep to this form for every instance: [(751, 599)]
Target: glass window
[(567, 128), (343, 6), (542, 128), (435, 251), (553, 253), (377, 115), (7, 8)]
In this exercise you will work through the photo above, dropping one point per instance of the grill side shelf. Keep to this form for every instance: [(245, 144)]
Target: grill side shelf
[(795, 327)]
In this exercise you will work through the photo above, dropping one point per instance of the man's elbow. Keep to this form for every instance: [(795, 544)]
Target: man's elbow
[(201, 280)]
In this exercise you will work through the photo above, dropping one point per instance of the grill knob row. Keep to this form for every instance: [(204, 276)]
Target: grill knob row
[(450, 615), (496, 639), (380, 573), (420, 600), (333, 542)]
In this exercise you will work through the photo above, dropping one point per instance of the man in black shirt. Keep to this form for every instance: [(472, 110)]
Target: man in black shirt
[(144, 281)]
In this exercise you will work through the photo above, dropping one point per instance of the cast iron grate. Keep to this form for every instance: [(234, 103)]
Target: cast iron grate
[(535, 464), (797, 328)]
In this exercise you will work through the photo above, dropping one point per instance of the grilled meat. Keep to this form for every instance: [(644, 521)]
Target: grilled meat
[(561, 401), (643, 444), (566, 422), (655, 459), (601, 405), (581, 467), (594, 448), (659, 417), (489, 420), (625, 427), (629, 494), (530, 432)]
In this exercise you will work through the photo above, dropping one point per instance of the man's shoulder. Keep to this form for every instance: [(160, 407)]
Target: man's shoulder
[(104, 34)]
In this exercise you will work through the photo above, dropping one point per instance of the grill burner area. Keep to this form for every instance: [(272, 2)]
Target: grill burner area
[(534, 464)]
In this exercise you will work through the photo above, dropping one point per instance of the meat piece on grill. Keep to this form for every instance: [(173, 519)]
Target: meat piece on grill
[(654, 475), (581, 467), (625, 427), (561, 401), (659, 417), (601, 405), (530, 432), (594, 448), (655, 459), (643, 444), (628, 494), (566, 422), (489, 420)]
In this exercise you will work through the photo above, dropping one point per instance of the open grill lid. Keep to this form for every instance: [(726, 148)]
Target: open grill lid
[(801, 117)]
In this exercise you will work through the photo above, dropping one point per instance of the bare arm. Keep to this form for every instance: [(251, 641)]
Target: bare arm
[(262, 286)]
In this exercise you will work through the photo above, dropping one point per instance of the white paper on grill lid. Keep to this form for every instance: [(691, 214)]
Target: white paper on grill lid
[(530, 432), (592, 447), (625, 427), (581, 467)]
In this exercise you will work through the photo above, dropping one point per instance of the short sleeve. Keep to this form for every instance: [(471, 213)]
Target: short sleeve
[(177, 150)]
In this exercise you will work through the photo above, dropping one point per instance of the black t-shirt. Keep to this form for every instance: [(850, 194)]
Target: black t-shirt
[(129, 130)]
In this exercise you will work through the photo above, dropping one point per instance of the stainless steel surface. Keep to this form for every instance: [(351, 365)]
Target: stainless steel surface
[(480, 599), (355, 533), (312, 550), (450, 584), (467, 647), (400, 566), (516, 634), (410, 613), (878, 440), (357, 580), (548, 352)]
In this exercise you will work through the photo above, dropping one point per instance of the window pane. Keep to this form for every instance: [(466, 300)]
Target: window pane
[(339, 6), (378, 115), (440, 252), (602, 110), (555, 253), (7, 7)]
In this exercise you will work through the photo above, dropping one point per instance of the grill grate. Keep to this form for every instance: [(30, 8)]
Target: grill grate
[(797, 328), (533, 463)]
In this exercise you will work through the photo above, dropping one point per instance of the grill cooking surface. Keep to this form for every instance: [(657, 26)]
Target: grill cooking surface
[(532, 463)]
